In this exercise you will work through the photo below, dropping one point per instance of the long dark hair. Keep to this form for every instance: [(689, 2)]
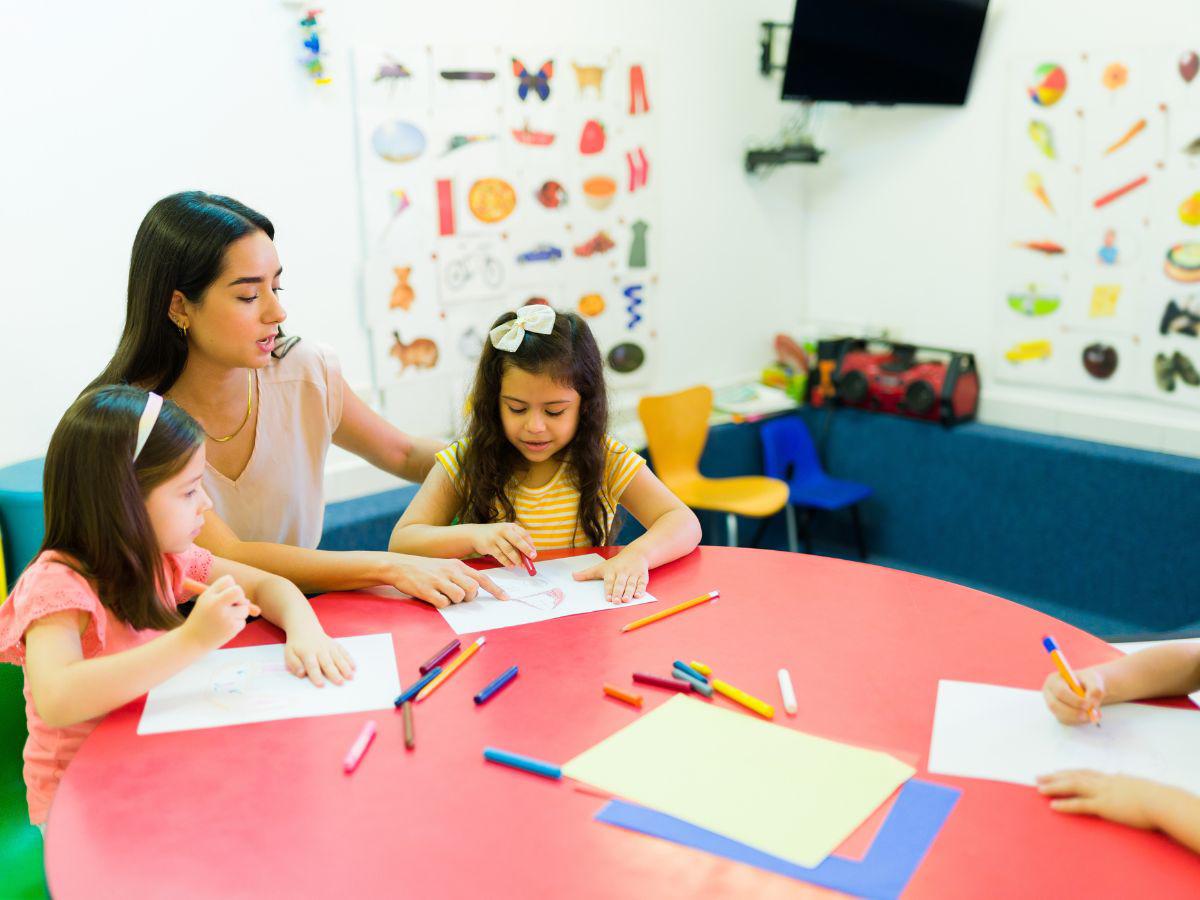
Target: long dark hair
[(95, 497), (180, 246), (570, 356)]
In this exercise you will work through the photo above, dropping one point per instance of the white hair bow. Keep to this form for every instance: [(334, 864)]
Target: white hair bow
[(146, 423), (537, 317)]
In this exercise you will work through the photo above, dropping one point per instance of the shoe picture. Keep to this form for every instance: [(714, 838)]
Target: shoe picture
[(1164, 372), (1185, 370)]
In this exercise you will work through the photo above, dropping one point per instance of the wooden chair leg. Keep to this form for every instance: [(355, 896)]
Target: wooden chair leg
[(858, 533)]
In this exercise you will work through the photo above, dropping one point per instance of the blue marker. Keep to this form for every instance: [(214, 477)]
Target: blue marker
[(526, 763), (689, 671), (486, 694), (700, 687), (412, 691)]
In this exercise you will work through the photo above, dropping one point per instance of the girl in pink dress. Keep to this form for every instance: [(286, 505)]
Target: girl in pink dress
[(93, 620)]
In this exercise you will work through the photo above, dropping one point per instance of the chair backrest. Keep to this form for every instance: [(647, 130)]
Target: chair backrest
[(676, 429), (788, 450)]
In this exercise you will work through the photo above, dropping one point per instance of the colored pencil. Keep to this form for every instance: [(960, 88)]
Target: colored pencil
[(1068, 674), (438, 658), (700, 687), (450, 669), (788, 692), (415, 689), (711, 595), (196, 588), (359, 747), (766, 710), (643, 678), (632, 699), (493, 687), (525, 763), (410, 735)]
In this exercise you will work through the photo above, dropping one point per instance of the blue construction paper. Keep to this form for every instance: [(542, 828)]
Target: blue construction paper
[(917, 816)]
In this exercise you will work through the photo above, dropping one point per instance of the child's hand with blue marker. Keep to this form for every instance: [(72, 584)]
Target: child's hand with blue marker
[(625, 576), (1066, 705)]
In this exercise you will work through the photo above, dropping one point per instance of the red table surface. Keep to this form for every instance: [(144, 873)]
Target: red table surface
[(266, 810)]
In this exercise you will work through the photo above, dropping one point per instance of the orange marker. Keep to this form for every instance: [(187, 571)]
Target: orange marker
[(704, 598), (1068, 675), (196, 588), (631, 699), (450, 669)]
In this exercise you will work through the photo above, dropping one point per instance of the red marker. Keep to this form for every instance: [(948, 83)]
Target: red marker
[(528, 563), (355, 755)]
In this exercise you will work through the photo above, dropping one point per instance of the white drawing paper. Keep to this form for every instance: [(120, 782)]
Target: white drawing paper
[(1008, 734), (550, 594), (252, 684)]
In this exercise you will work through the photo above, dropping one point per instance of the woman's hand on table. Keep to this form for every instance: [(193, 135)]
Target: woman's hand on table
[(440, 582)]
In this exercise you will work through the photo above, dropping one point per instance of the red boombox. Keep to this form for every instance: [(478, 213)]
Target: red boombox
[(903, 379)]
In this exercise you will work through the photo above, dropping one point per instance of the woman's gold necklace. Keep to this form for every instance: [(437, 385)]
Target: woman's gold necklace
[(249, 401)]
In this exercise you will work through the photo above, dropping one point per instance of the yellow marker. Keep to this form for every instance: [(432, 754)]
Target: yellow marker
[(450, 669), (766, 710), (700, 667)]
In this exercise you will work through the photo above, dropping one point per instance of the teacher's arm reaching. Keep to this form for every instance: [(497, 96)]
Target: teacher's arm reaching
[(367, 434)]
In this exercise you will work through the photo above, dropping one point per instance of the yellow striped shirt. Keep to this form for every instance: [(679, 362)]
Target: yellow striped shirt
[(550, 513)]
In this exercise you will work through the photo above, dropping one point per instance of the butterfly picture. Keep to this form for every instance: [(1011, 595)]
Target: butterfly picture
[(539, 82)]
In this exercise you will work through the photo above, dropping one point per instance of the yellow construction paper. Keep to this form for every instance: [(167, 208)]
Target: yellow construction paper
[(787, 793)]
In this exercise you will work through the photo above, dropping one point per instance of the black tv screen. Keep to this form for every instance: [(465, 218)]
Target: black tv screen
[(883, 51)]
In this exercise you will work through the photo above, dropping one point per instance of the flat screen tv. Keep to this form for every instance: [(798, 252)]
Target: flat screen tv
[(883, 51)]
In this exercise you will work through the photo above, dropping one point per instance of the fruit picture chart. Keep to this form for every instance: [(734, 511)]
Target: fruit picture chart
[(492, 177), (1100, 263)]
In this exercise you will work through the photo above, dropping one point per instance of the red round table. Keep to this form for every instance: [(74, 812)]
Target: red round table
[(266, 810)]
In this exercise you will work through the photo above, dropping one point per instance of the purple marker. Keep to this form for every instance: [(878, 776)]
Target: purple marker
[(439, 657)]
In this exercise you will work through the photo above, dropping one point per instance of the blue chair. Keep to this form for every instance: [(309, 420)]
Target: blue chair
[(790, 455)]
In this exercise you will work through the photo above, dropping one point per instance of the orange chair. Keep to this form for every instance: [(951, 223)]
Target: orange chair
[(676, 429)]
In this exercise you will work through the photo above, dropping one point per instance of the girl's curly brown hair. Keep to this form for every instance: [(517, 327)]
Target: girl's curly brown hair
[(490, 462)]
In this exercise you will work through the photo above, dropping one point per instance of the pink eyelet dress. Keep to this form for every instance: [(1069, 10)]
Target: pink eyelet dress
[(50, 586)]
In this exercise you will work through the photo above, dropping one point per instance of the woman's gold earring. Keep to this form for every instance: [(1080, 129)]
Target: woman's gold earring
[(183, 329)]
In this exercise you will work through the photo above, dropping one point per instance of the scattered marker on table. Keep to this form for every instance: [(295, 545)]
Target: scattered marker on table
[(525, 763), (766, 710), (632, 699), (493, 687), (450, 669), (416, 688), (359, 747), (678, 608), (643, 678), (701, 668), (700, 687), (691, 671), (410, 735), (788, 692), (440, 657)]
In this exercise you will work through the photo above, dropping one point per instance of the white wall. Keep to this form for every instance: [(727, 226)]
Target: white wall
[(904, 215), (110, 107)]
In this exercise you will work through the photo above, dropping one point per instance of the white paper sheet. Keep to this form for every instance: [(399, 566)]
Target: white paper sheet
[(251, 684), (550, 594), (1008, 734)]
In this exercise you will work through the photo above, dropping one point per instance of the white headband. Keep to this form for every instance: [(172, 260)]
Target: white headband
[(537, 317), (146, 422)]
